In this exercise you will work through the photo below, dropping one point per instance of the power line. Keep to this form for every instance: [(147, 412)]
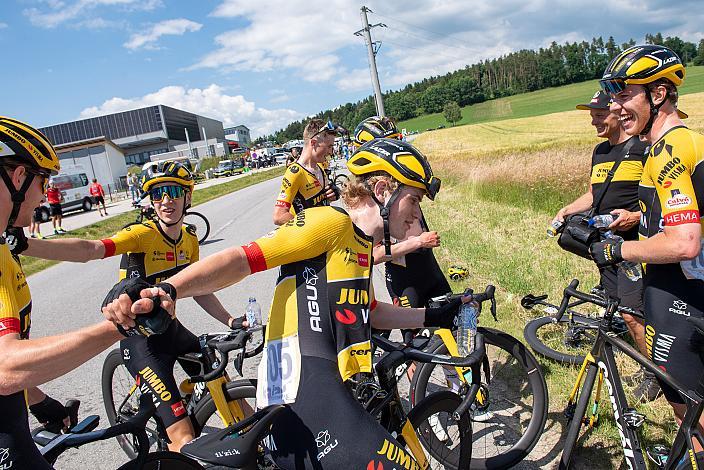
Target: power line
[(433, 41), (419, 27), (405, 46)]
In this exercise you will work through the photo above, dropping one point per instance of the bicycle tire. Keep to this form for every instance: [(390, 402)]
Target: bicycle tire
[(201, 224), (508, 359), (164, 460), (112, 362), (574, 425), (578, 329), (442, 404), (235, 390)]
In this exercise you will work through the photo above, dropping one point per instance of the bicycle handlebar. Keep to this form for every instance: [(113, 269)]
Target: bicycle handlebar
[(224, 344), (487, 295), (414, 354)]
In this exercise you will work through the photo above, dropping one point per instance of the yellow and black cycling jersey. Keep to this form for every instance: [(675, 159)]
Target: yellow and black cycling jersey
[(149, 253), (672, 189), (322, 299), (301, 189), (622, 192)]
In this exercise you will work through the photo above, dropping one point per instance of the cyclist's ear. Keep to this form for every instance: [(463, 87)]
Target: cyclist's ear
[(187, 200)]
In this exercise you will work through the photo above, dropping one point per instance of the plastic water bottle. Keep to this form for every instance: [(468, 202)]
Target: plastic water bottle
[(253, 313), (632, 270), (554, 226), (467, 328)]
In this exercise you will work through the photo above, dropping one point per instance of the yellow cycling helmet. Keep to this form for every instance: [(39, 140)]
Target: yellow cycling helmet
[(166, 172), (22, 144), (375, 127), (640, 65), (400, 160), (457, 273)]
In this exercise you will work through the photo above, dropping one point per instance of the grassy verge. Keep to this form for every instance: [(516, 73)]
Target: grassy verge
[(536, 103), (108, 227), (504, 182)]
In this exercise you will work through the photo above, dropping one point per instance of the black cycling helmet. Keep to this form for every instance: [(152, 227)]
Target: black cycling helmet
[(22, 144), (402, 162), (640, 65), (375, 127)]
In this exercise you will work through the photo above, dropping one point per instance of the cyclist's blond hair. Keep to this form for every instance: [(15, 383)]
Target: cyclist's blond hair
[(359, 187)]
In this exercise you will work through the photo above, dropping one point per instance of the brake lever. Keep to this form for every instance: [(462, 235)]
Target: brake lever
[(493, 309), (239, 363)]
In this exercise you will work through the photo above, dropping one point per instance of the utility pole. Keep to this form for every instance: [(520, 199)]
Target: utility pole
[(372, 49)]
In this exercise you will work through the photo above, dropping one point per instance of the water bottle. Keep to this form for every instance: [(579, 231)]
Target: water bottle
[(467, 328), (633, 271), (554, 226), (253, 313)]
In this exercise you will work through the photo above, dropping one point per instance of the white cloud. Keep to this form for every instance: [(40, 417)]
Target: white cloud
[(81, 13), (212, 102), (148, 39), (3, 25)]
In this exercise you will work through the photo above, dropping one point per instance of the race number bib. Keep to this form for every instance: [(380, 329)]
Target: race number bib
[(694, 268), (279, 372)]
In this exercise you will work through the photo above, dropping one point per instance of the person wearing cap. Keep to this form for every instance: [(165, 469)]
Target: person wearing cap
[(621, 201)]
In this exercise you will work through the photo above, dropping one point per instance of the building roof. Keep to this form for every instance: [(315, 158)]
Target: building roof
[(87, 143)]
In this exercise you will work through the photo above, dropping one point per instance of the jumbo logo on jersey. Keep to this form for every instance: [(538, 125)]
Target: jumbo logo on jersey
[(353, 297), (397, 455), (346, 317)]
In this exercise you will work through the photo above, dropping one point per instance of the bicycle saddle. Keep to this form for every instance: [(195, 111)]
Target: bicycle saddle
[(236, 445)]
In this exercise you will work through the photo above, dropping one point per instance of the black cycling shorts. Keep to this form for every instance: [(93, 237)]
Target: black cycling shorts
[(17, 449), (422, 273), (617, 285), (55, 209), (328, 428), (98, 200), (151, 361), (673, 344), (37, 215)]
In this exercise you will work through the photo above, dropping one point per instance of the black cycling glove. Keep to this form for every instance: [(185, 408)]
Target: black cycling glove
[(146, 324), (443, 317), (168, 288), (16, 240), (50, 413), (606, 252)]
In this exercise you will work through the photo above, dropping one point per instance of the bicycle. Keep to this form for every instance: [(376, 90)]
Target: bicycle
[(600, 367), (196, 220), (566, 336), (212, 400), (52, 445), (238, 446), (337, 180), (510, 408)]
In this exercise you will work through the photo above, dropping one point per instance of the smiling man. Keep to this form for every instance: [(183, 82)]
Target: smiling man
[(620, 200)]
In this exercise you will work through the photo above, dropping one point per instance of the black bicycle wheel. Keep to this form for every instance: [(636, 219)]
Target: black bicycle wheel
[(206, 414), (117, 385), (200, 223), (164, 461), (566, 341), (574, 424), (448, 442), (509, 423)]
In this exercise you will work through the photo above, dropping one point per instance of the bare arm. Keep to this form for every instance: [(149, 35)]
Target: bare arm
[(387, 317), (581, 204), (28, 363), (66, 249), (212, 305), (674, 244), (281, 215), (424, 240), (212, 273)]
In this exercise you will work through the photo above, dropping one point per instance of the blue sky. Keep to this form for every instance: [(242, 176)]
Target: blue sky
[(265, 63)]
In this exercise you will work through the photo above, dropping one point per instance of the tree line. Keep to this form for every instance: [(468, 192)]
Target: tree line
[(518, 72)]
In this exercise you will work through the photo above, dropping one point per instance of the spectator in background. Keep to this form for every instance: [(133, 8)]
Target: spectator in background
[(255, 162), (35, 225), (54, 198), (132, 185), (96, 191)]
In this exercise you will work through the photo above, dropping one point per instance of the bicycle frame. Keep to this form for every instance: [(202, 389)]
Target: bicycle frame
[(464, 373), (601, 361)]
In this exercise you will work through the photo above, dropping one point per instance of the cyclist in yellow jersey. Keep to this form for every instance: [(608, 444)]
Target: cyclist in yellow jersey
[(643, 82), (305, 183), (324, 307), (153, 251), (27, 159)]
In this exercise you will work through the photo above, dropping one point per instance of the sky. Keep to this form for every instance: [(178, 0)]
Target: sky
[(265, 63)]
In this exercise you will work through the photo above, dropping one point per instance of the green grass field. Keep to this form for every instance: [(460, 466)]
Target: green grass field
[(537, 103)]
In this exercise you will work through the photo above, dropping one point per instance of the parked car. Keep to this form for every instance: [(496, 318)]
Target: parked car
[(229, 168), (281, 158)]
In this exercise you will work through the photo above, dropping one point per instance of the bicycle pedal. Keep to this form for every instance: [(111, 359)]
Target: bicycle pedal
[(658, 454), (569, 411), (632, 418)]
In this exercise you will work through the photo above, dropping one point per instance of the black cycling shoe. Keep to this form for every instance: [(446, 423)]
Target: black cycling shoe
[(648, 389)]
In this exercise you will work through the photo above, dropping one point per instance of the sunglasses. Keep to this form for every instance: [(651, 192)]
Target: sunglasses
[(331, 128), (174, 192), (44, 177), (612, 86)]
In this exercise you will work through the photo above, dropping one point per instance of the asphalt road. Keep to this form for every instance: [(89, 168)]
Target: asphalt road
[(67, 296)]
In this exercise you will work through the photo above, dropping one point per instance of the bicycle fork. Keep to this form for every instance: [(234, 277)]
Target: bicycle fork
[(593, 408)]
